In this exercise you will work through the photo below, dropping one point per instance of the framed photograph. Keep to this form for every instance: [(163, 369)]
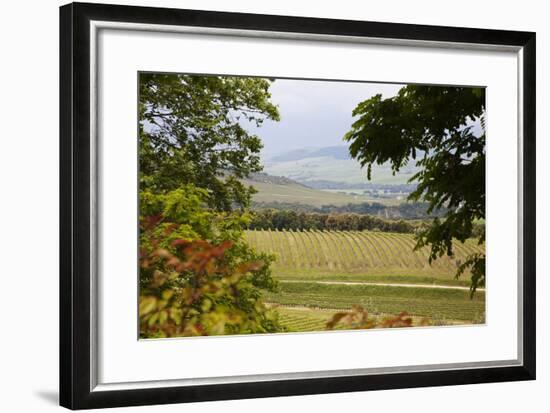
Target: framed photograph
[(258, 206)]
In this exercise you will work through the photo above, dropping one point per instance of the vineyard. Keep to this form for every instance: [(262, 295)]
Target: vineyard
[(357, 256), (323, 272)]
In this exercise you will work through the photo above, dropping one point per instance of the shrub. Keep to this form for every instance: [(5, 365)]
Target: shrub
[(197, 275)]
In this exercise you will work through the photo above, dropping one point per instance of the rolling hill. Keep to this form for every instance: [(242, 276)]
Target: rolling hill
[(332, 164), (285, 190)]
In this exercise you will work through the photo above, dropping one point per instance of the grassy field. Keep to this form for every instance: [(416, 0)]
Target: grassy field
[(303, 319), (434, 303), (299, 194), (311, 264)]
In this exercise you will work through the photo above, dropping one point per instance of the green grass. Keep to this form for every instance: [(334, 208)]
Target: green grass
[(313, 319), (435, 280), (437, 304)]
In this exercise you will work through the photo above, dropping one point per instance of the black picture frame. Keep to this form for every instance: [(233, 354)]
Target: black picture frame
[(75, 219)]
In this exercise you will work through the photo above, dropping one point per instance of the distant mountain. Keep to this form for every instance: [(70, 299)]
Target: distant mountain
[(334, 168), (336, 152)]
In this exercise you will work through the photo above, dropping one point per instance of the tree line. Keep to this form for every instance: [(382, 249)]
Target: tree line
[(405, 210), (291, 220)]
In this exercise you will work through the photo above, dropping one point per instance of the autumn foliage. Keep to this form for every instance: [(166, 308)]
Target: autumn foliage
[(359, 318), (193, 289)]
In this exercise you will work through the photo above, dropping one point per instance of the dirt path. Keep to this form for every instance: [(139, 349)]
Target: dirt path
[(450, 287)]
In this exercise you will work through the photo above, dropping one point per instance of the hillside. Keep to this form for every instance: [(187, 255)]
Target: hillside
[(285, 190), (336, 152), (277, 189), (332, 164)]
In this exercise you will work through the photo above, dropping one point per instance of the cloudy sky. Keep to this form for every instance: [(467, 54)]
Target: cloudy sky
[(314, 113)]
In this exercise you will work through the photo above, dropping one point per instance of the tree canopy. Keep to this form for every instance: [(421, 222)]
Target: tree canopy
[(433, 126), (193, 130)]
